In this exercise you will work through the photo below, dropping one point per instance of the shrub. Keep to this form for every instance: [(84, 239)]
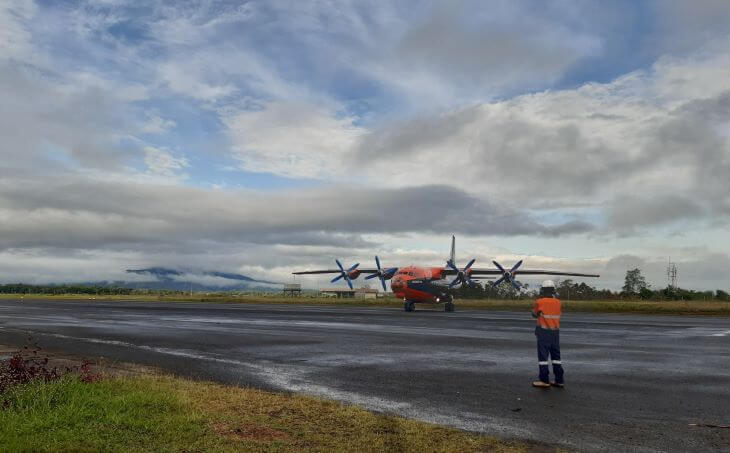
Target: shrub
[(28, 366)]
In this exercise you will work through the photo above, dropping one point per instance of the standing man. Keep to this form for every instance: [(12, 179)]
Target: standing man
[(547, 311)]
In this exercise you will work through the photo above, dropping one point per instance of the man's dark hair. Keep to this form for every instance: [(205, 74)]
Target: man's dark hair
[(547, 292)]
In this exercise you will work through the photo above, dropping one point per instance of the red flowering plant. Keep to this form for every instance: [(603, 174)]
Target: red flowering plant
[(28, 365)]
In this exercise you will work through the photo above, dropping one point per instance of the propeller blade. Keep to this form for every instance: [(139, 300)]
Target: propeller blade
[(377, 261), (499, 266), (345, 273), (500, 280), (469, 265), (454, 282), (372, 276), (382, 280), (452, 266), (514, 268), (516, 284)]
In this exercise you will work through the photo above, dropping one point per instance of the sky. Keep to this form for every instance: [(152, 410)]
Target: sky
[(265, 137)]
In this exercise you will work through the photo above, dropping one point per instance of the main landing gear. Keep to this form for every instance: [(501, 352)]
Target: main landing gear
[(409, 305), (448, 300)]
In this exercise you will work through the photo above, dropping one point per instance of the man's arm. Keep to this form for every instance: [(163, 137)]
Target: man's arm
[(535, 312)]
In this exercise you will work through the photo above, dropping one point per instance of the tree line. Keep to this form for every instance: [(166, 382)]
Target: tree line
[(24, 288), (635, 287)]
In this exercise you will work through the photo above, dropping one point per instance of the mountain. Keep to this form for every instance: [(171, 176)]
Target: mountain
[(184, 280)]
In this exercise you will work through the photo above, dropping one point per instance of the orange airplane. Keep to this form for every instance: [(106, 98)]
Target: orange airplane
[(429, 285)]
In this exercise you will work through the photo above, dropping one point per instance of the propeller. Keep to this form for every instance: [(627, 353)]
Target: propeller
[(508, 275), (462, 276), (382, 275), (345, 273)]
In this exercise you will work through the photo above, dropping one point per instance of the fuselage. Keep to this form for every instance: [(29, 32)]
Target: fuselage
[(421, 284)]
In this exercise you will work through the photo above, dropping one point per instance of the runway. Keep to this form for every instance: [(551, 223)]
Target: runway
[(634, 382)]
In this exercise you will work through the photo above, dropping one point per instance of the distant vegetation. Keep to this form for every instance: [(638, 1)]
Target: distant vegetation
[(635, 288), (570, 290), (22, 288)]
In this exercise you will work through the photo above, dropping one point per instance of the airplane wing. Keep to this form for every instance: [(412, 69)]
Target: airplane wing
[(528, 272), (510, 275), (353, 272), (474, 272), (334, 271), (543, 272)]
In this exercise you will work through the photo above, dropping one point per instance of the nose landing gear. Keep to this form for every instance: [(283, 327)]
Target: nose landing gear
[(409, 305), (449, 306)]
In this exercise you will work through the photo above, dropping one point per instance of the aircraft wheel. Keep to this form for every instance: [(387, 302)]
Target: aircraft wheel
[(409, 306), (449, 307)]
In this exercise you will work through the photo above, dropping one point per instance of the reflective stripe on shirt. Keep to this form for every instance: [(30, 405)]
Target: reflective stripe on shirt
[(550, 311)]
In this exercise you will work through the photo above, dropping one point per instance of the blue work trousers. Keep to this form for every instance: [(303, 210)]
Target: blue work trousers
[(548, 349)]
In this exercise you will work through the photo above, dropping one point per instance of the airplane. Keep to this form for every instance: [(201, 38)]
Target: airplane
[(429, 285)]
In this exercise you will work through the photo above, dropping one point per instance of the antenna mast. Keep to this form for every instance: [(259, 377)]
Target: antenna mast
[(672, 275)]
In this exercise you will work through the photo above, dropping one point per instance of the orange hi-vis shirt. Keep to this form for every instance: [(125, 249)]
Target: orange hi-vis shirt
[(550, 316)]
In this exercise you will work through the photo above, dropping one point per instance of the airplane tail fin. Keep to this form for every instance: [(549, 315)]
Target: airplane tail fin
[(452, 256)]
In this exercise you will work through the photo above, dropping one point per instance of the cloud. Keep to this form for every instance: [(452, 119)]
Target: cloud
[(647, 149), (188, 79), (485, 51), (15, 34), (629, 212), (162, 162), (83, 214), (682, 27), (292, 139), (42, 118), (155, 124)]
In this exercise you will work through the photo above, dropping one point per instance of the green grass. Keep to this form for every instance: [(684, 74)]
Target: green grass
[(162, 413), (671, 307), (114, 415)]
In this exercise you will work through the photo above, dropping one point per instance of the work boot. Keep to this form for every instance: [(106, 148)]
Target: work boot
[(557, 384), (540, 384)]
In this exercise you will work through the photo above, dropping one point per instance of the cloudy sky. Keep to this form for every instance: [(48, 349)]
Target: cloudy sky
[(264, 137)]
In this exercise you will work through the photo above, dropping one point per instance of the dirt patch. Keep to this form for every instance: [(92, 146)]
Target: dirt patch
[(249, 431), (64, 361)]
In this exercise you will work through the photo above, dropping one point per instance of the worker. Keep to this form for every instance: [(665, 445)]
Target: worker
[(547, 311)]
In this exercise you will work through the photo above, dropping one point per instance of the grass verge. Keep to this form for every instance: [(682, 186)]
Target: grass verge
[(164, 413), (671, 307)]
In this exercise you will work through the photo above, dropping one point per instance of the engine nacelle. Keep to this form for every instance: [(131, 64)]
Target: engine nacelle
[(389, 273), (354, 274), (437, 273)]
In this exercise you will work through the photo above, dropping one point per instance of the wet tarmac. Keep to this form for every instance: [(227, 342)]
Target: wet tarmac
[(634, 382)]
